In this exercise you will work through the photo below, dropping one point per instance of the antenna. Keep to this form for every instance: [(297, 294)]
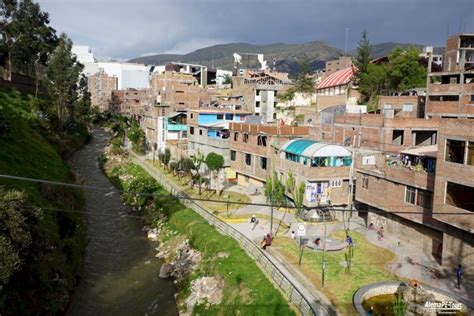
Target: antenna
[(345, 49)]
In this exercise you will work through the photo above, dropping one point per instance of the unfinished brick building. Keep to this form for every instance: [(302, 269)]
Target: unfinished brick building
[(450, 93), (100, 86)]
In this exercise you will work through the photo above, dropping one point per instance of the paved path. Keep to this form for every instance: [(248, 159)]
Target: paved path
[(413, 263)]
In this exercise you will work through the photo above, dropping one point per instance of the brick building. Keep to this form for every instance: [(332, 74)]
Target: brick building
[(258, 91), (411, 106), (100, 86), (178, 91), (450, 93), (408, 193), (454, 190), (252, 149), (378, 132), (333, 66), (130, 102)]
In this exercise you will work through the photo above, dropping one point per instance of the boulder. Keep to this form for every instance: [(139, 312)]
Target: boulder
[(166, 270)]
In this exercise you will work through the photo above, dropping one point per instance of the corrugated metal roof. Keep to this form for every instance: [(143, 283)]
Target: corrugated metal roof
[(424, 151), (297, 146), (338, 78), (310, 148)]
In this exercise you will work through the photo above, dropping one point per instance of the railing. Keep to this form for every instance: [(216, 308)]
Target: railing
[(280, 278)]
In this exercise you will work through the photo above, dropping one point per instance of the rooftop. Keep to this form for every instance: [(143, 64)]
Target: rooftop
[(311, 148), (338, 78)]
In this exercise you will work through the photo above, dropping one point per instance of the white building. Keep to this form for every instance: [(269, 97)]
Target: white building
[(129, 75)]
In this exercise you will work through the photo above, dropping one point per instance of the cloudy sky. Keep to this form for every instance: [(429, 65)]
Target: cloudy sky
[(127, 29)]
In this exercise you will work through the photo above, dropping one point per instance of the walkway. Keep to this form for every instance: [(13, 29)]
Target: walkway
[(413, 263)]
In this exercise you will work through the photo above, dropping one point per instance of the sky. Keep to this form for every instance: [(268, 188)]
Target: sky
[(133, 28)]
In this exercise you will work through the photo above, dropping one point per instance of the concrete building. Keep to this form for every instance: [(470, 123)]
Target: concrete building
[(450, 93), (129, 75), (379, 132), (130, 102), (402, 106), (178, 91), (208, 131), (323, 168), (252, 149), (258, 92), (333, 66), (336, 89), (454, 191), (100, 86)]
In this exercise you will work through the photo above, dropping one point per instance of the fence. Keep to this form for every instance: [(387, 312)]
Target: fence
[(306, 306)]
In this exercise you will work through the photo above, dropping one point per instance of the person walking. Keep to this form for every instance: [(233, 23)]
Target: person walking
[(253, 222), (293, 234), (459, 274), (349, 240), (267, 241), (380, 233)]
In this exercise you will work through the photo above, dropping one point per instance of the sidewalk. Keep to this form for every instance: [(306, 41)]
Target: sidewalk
[(413, 263)]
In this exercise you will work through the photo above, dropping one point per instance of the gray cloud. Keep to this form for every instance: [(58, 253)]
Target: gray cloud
[(129, 29)]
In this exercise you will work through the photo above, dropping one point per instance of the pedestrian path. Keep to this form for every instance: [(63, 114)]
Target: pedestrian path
[(413, 263)]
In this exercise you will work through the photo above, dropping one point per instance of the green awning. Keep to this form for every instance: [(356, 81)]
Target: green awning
[(298, 146)]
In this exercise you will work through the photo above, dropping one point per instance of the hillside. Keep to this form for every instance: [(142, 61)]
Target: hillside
[(383, 49), (285, 56), (40, 248)]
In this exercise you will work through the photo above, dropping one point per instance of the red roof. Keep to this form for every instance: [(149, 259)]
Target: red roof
[(338, 78)]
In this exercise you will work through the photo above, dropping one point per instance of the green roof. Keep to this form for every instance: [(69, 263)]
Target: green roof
[(298, 146)]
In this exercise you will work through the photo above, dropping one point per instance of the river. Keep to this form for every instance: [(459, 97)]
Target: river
[(120, 274)]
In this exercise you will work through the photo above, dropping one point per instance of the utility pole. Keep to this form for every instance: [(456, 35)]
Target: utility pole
[(323, 268), (429, 51)]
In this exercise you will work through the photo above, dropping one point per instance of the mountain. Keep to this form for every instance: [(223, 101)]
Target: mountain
[(383, 49), (285, 56)]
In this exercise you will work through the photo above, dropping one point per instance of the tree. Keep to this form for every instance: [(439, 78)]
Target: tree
[(298, 197), (62, 73), (275, 190), (166, 157), (215, 162), (373, 82), (290, 182), (363, 56), (84, 106), (304, 82), (227, 79), (37, 40), (405, 70), (9, 32), (137, 137), (198, 160)]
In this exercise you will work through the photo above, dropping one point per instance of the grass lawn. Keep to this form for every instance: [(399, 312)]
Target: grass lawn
[(368, 266)]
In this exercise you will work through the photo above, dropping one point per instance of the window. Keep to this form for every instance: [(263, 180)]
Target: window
[(397, 137), (257, 104), (179, 91), (274, 116), (455, 151), (292, 157), (229, 117), (263, 163), (423, 198), (184, 134), (200, 131), (460, 196), (365, 182), (191, 130), (257, 92), (410, 193), (470, 153), (236, 136), (191, 115), (408, 107), (248, 159), (246, 138), (262, 140), (232, 155), (220, 116), (472, 97)]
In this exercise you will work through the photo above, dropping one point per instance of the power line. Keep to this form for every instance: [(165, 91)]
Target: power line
[(184, 197)]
